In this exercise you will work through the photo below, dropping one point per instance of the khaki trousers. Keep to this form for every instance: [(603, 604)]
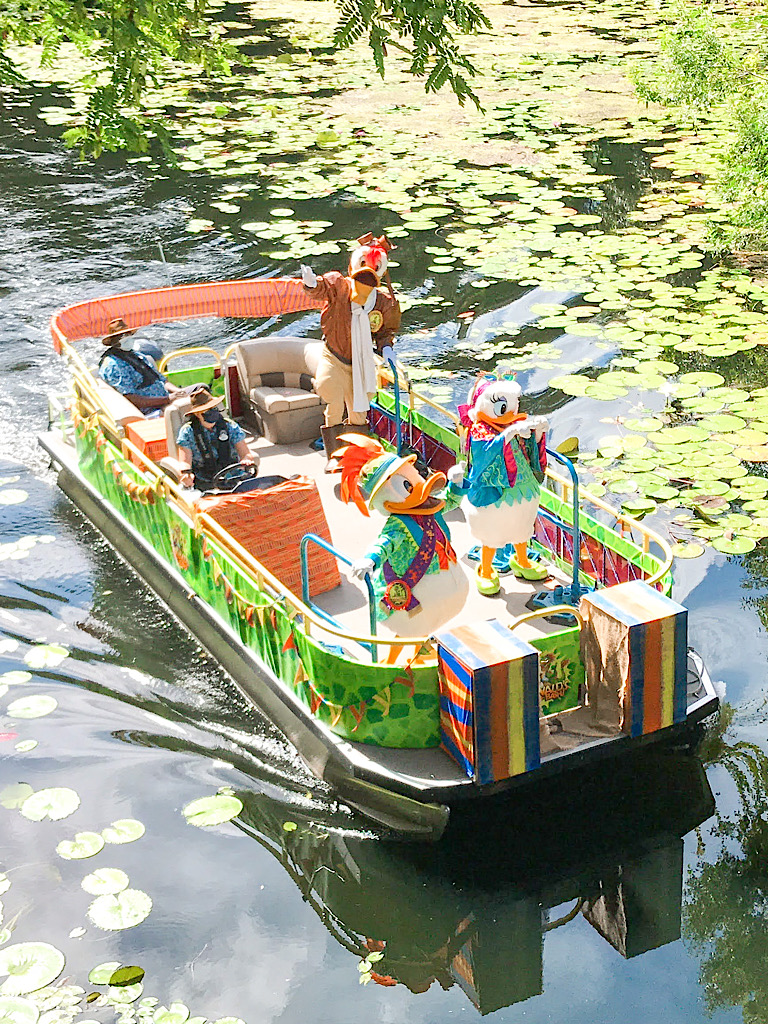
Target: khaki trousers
[(333, 383)]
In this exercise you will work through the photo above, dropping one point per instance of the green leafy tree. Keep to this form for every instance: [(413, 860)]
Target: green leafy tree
[(131, 45), (716, 73), (725, 919)]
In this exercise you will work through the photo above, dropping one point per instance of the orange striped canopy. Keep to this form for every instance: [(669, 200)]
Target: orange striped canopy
[(261, 297)]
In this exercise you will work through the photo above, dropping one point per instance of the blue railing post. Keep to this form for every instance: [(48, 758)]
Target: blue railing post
[(312, 538), (398, 422), (576, 590)]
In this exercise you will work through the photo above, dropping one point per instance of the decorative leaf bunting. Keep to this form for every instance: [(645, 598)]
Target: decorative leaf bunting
[(121, 910), (29, 966), (212, 810), (50, 803)]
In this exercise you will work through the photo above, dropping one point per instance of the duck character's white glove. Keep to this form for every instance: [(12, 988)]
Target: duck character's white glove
[(539, 425), (456, 474), (308, 277), (519, 429), (361, 566)]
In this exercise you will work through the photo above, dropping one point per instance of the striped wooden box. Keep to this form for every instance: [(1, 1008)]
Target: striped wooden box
[(489, 700), (655, 692)]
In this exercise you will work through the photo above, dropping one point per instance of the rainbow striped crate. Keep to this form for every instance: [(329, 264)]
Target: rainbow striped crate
[(489, 700), (655, 690)]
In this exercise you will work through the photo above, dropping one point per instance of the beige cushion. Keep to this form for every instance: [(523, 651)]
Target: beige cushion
[(175, 418), (276, 355), (274, 400)]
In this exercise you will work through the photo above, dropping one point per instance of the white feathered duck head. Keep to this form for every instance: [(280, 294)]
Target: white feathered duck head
[(369, 261), (492, 400)]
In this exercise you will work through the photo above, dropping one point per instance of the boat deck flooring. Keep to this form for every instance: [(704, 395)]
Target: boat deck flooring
[(353, 534)]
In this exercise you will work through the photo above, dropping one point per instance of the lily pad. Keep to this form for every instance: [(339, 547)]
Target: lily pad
[(46, 656), (16, 677), (13, 796), (703, 379), (24, 746), (690, 550), (17, 1010), (114, 912), (29, 966), (56, 803), (13, 497), (122, 995), (176, 1013), (101, 973), (125, 830), (127, 976), (212, 810), (734, 545), (85, 844), (105, 881), (35, 706)]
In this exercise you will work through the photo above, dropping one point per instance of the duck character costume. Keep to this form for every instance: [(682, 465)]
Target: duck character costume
[(417, 580), (357, 316), (507, 459)]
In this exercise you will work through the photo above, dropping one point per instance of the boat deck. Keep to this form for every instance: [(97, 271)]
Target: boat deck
[(353, 534)]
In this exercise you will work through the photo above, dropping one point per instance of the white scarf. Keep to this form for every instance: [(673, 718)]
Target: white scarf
[(363, 364)]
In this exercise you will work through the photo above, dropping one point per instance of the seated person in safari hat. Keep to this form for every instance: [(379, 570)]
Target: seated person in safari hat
[(208, 442), (133, 374)]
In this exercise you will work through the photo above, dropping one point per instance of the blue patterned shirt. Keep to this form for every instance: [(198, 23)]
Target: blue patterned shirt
[(186, 439), (127, 381)]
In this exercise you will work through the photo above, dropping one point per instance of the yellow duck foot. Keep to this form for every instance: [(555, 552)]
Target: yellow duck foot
[(487, 585), (524, 568)]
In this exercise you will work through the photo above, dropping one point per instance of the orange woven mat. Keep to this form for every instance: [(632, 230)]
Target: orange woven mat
[(270, 524)]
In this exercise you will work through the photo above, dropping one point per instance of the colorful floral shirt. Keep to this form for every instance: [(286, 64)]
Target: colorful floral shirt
[(127, 381), (397, 546), (503, 472)]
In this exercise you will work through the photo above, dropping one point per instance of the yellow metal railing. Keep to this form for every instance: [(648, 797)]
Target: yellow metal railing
[(189, 352)]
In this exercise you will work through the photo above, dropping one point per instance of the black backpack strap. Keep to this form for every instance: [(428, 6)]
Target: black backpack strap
[(217, 454)]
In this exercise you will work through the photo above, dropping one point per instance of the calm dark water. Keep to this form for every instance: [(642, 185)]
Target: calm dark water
[(253, 921)]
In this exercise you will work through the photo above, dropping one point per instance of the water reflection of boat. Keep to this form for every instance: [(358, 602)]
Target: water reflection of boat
[(394, 739), (476, 913)]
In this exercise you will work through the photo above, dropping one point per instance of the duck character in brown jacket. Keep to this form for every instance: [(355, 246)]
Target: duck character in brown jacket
[(357, 317)]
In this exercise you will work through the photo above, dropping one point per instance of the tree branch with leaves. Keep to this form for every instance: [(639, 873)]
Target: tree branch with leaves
[(131, 46)]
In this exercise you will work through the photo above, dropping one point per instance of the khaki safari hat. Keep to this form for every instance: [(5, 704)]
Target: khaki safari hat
[(116, 329), (201, 400)]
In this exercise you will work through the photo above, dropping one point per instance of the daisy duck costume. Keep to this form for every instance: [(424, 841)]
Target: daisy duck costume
[(418, 582), (507, 456)]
